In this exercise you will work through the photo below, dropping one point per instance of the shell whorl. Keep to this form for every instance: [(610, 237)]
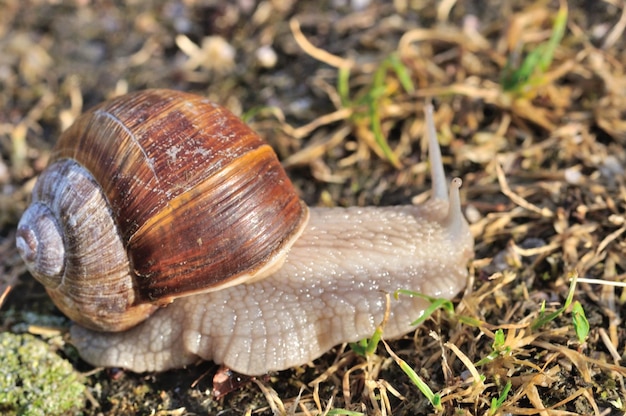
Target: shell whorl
[(69, 242), (39, 228)]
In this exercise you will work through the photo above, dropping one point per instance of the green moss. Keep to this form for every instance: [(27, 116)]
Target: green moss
[(34, 380)]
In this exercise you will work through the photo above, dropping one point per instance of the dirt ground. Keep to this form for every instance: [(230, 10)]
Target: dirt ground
[(530, 108)]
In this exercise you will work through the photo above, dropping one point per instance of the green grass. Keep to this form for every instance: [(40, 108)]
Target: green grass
[(529, 74)]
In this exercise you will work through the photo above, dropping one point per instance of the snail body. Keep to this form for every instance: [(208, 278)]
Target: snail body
[(248, 277)]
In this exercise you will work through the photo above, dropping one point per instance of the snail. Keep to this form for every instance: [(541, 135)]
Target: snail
[(168, 231)]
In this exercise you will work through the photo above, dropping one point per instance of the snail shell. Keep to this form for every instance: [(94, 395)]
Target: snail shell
[(152, 196)]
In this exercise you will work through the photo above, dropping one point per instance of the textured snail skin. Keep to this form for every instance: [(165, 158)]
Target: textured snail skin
[(330, 290)]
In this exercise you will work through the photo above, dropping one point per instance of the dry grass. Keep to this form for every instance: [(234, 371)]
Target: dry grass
[(542, 161)]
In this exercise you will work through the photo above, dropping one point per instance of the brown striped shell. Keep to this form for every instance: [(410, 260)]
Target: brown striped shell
[(151, 196)]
